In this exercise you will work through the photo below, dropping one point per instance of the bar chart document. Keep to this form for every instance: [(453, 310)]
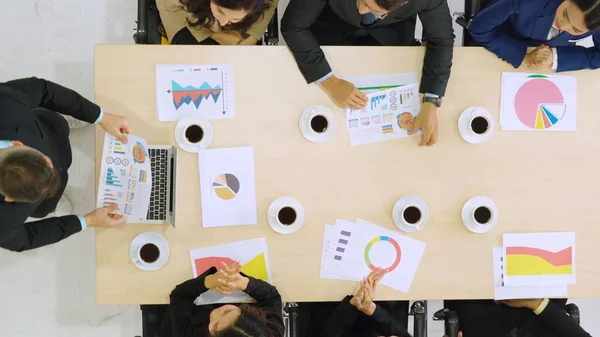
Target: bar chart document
[(125, 176)]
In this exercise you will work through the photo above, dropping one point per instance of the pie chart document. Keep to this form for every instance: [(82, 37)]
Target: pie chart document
[(227, 187), (533, 102)]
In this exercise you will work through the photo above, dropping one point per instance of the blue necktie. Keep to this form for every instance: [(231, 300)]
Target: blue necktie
[(367, 19)]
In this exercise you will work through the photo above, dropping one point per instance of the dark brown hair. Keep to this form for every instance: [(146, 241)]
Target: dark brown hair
[(253, 322), (391, 5), (25, 175), (201, 10), (591, 11)]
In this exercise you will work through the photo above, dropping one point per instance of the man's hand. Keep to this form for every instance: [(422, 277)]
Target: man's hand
[(524, 303), (427, 122), (541, 58), (344, 93), (102, 218), (116, 125)]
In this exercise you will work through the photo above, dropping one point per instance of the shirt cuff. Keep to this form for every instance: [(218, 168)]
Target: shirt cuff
[(324, 77), (83, 222), (542, 306), (554, 59), (99, 116), (431, 95)]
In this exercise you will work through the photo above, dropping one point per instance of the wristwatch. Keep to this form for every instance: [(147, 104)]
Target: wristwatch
[(435, 100)]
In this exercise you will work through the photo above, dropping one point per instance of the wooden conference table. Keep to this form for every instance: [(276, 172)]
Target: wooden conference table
[(540, 181)]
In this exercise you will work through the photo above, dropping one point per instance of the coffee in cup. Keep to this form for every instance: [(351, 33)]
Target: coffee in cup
[(412, 215), (480, 125), (194, 133), (149, 253), (319, 124), (287, 216), (482, 215)]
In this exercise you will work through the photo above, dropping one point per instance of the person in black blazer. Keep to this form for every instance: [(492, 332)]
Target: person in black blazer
[(358, 315), (515, 318), (35, 155), (261, 319), (309, 24)]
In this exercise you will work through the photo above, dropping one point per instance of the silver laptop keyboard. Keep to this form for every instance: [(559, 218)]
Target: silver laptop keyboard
[(158, 197)]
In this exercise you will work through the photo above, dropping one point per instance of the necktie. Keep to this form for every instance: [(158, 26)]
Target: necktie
[(367, 19)]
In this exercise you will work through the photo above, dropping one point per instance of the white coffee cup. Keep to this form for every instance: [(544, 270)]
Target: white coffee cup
[(410, 214), (286, 215)]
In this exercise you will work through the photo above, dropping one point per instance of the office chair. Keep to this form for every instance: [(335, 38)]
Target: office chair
[(472, 7), (295, 328), (152, 317), (148, 21), (450, 318)]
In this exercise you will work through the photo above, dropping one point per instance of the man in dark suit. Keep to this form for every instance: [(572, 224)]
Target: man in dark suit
[(309, 24), (518, 318), (35, 155)]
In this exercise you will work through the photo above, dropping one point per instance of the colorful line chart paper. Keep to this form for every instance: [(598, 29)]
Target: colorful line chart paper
[(192, 90), (125, 176), (389, 114), (352, 250), (538, 102), (373, 83), (251, 254), (538, 259), (227, 187), (502, 292)]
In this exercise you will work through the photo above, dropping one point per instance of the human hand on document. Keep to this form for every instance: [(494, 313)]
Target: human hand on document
[(532, 304), (344, 93), (541, 58), (116, 125), (103, 218), (427, 122), (363, 300), (227, 280)]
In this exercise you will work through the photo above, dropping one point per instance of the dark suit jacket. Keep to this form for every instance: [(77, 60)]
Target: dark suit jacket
[(508, 27), (185, 319), (347, 321), (300, 15), (22, 120), (482, 318)]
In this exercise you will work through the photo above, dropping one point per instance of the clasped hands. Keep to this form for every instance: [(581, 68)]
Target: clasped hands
[(227, 280), (363, 299), (540, 58)]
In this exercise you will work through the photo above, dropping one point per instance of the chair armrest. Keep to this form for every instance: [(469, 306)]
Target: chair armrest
[(141, 33), (573, 310), (272, 34), (450, 319), (419, 311)]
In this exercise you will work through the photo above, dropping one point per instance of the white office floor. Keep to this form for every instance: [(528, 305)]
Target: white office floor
[(51, 291)]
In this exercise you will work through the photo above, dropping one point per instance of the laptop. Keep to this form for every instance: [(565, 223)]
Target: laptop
[(163, 163)]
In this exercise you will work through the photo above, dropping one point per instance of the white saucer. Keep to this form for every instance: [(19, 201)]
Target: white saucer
[(469, 208), (464, 127), (184, 144), (399, 207), (308, 132), (149, 237), (280, 203)]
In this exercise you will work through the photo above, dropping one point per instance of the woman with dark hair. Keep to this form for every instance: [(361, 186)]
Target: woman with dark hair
[(261, 319), (550, 28), (225, 22), (358, 315)]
